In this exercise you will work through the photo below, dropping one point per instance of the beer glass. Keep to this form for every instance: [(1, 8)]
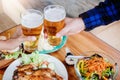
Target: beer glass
[(32, 22), (54, 16)]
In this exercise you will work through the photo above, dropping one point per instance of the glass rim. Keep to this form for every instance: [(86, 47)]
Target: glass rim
[(30, 10), (53, 6)]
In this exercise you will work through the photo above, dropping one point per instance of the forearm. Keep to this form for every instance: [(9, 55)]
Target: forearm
[(14, 43), (4, 45), (10, 44), (103, 14), (80, 23)]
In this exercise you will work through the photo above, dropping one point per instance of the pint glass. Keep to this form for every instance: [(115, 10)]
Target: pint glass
[(32, 22), (54, 16)]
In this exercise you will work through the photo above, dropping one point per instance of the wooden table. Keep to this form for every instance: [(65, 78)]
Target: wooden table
[(83, 42)]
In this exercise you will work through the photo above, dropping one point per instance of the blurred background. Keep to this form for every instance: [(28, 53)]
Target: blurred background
[(10, 11)]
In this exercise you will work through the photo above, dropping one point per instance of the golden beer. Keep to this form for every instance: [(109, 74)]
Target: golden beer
[(32, 31), (32, 22), (54, 21)]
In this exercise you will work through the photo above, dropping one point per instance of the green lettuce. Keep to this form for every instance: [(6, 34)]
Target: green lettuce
[(34, 58), (14, 55)]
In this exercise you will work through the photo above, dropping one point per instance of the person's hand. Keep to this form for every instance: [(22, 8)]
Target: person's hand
[(11, 44), (15, 40), (72, 26)]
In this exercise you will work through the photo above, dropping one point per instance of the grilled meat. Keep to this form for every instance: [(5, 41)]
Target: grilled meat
[(24, 67), (27, 72)]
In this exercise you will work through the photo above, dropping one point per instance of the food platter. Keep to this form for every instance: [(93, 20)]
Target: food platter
[(59, 67)]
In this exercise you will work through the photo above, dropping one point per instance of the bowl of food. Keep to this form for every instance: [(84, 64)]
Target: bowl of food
[(96, 66)]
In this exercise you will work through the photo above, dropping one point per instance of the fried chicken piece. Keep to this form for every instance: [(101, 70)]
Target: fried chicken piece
[(46, 74), (25, 67), (40, 74)]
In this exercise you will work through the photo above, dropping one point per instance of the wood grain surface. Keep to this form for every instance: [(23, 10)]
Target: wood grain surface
[(80, 43)]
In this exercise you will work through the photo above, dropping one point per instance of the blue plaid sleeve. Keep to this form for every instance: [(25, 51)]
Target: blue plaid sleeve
[(103, 14)]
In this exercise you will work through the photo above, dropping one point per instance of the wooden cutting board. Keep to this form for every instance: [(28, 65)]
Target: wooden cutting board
[(5, 63)]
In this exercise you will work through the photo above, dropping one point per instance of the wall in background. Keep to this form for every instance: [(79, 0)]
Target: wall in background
[(73, 7), (1, 8), (13, 8)]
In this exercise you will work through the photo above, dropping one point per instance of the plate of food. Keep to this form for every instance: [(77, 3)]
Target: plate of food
[(96, 66), (36, 66)]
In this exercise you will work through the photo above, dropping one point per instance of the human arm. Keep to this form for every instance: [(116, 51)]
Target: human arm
[(73, 25), (103, 14), (11, 44)]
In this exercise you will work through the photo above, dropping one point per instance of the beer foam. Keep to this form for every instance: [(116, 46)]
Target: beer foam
[(31, 20), (55, 14)]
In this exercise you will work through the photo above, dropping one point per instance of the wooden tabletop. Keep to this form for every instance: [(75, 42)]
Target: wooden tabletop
[(80, 43)]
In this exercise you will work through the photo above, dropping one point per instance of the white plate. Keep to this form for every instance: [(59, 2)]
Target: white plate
[(59, 67)]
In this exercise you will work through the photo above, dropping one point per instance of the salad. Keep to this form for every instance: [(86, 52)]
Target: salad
[(95, 68), (36, 60), (8, 55)]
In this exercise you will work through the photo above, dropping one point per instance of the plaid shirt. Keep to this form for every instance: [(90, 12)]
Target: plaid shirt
[(103, 14)]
